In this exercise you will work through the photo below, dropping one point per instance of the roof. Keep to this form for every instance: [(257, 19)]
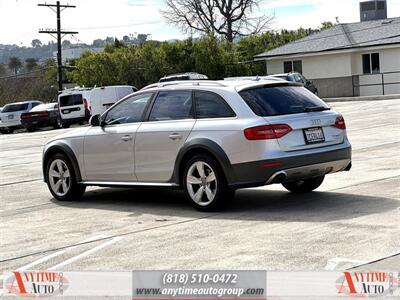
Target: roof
[(343, 36), (237, 85)]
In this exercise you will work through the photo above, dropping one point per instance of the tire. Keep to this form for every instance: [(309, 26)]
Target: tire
[(30, 129), (303, 186), (196, 185), (73, 191), (57, 124), (65, 125)]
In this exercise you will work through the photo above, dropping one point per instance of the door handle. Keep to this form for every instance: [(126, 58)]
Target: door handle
[(126, 138), (175, 136)]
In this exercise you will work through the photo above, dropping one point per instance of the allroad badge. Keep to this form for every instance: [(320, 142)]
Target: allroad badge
[(315, 122)]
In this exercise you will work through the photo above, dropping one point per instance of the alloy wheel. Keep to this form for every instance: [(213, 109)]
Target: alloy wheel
[(59, 177), (201, 183)]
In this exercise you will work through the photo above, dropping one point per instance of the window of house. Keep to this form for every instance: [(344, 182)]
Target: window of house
[(293, 66), (371, 64)]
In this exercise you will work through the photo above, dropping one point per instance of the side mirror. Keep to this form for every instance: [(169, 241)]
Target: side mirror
[(95, 120)]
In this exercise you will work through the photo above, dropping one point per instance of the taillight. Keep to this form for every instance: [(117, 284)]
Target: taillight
[(266, 132), (339, 123), (25, 116)]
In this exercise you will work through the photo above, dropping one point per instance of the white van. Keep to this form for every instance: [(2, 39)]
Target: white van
[(77, 105), (102, 98), (73, 106)]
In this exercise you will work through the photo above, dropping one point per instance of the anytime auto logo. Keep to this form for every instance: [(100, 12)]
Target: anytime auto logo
[(367, 284), (43, 283)]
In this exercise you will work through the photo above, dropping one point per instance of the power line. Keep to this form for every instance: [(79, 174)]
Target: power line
[(58, 9)]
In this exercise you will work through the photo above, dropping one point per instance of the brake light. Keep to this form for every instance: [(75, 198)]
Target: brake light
[(340, 123), (266, 132), (35, 114)]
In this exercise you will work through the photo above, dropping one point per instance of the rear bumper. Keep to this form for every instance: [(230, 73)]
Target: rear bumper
[(75, 120), (38, 122), (258, 173)]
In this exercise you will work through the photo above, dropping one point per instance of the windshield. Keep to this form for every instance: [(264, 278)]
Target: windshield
[(281, 100), (15, 107)]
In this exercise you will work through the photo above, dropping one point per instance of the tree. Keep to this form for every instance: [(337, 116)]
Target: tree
[(2, 70), (326, 25), (66, 44), (126, 39), (36, 43), (98, 43), (30, 63), (230, 19), (14, 64)]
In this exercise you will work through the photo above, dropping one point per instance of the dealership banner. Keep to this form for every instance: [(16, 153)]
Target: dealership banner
[(228, 284)]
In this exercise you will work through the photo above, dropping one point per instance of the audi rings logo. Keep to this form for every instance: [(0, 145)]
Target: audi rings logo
[(36, 283), (315, 122)]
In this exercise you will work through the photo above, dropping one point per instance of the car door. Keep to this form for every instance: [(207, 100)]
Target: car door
[(159, 139), (109, 149)]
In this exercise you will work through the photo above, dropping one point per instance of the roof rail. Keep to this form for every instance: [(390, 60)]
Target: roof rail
[(185, 82)]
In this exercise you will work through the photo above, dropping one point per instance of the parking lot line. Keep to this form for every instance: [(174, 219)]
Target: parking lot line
[(55, 254), (86, 253), (334, 262)]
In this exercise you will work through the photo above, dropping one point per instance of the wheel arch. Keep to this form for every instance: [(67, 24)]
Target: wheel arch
[(203, 146), (61, 148)]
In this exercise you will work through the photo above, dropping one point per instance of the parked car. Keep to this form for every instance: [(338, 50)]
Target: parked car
[(184, 76), (297, 77), (206, 137), (10, 116), (73, 106), (77, 105), (254, 78), (41, 116), (101, 98)]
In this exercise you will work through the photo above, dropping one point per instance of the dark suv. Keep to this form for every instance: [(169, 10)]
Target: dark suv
[(297, 77)]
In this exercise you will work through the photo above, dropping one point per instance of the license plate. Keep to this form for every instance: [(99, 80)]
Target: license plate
[(314, 135), (10, 117)]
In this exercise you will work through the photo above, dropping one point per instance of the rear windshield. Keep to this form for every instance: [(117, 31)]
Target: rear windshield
[(69, 100), (280, 100), (15, 107)]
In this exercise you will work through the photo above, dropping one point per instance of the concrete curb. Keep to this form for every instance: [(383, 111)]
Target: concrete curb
[(362, 98)]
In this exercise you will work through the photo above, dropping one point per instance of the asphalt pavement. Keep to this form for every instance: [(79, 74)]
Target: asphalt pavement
[(351, 221)]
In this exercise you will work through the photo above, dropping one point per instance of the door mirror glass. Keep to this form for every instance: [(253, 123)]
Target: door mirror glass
[(95, 120)]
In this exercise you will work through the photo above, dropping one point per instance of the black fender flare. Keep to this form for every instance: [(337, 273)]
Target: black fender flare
[(210, 146), (60, 147)]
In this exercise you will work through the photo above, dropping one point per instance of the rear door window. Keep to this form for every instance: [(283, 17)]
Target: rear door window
[(280, 100), (15, 107), (210, 105), (172, 105), (70, 100)]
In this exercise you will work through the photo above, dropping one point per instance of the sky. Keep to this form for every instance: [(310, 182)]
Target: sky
[(20, 20)]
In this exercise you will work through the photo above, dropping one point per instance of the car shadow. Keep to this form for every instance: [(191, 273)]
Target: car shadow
[(249, 204)]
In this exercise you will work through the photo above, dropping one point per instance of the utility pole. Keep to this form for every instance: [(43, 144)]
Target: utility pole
[(58, 32)]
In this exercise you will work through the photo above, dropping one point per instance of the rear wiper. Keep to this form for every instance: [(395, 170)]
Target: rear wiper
[(316, 108)]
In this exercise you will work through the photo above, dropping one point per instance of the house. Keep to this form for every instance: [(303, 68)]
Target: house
[(353, 59)]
